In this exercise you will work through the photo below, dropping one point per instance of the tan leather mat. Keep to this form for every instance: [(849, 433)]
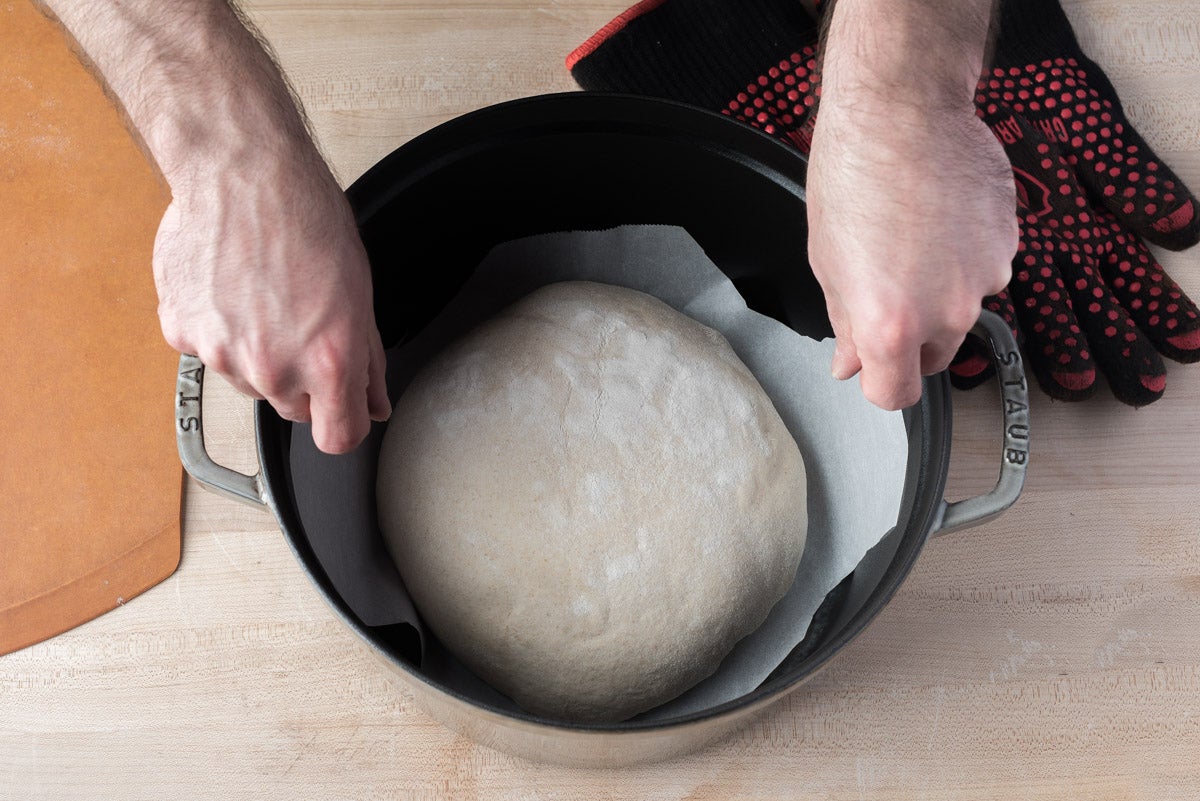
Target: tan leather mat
[(89, 479)]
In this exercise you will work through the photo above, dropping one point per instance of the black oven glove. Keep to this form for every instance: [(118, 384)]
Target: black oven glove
[(1086, 294)]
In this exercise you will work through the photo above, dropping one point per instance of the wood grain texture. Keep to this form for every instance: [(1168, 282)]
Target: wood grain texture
[(89, 510), (1053, 653)]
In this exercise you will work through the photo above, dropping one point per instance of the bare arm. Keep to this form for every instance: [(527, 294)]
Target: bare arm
[(257, 261), (912, 202)]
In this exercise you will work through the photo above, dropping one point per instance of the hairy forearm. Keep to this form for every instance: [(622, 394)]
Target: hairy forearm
[(919, 52), (258, 264), (193, 80), (910, 196)]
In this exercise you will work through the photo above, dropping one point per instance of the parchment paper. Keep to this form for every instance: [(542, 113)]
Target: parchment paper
[(855, 454)]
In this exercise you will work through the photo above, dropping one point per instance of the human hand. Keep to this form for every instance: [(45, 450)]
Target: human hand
[(782, 100), (910, 226), (261, 274), (1086, 292), (258, 264)]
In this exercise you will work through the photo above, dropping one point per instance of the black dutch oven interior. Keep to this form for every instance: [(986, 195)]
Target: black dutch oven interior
[(431, 211)]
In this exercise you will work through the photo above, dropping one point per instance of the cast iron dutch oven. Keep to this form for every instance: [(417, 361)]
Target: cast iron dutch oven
[(428, 214)]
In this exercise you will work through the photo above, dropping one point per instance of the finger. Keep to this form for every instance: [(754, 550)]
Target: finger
[(378, 404), (887, 364), (243, 387), (220, 362), (936, 356), (940, 344), (845, 362), (278, 386), (1160, 309), (891, 369), (238, 383), (339, 413), (892, 383), (295, 407)]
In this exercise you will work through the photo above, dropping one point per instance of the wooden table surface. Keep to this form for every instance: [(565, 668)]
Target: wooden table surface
[(1053, 653)]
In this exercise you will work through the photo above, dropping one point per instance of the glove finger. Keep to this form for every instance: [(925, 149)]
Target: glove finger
[(1122, 168), (1001, 304), (1161, 310), (1072, 102), (1063, 243), (1055, 346), (1135, 372)]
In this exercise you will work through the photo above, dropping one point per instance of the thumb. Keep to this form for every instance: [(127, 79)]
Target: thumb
[(379, 406), (845, 361), (845, 358)]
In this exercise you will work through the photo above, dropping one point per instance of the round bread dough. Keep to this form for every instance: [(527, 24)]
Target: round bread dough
[(591, 500)]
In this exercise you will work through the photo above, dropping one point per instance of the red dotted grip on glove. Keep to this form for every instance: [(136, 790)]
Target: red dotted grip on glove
[(1086, 291)]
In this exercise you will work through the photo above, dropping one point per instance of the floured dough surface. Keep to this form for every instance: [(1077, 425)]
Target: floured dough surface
[(591, 499)]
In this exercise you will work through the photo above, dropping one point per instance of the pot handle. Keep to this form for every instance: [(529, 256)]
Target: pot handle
[(189, 438), (1014, 455)]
